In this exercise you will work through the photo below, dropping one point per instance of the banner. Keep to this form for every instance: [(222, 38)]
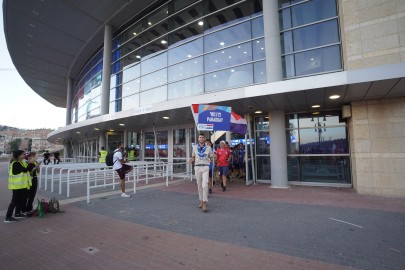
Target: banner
[(218, 118)]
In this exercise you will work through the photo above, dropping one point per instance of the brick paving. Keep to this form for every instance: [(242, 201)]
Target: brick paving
[(253, 227)]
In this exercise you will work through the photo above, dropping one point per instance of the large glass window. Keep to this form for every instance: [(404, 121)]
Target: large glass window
[(228, 57), (174, 51), (153, 96), (186, 69), (227, 37), (186, 51), (229, 78), (185, 88), (310, 37), (318, 148)]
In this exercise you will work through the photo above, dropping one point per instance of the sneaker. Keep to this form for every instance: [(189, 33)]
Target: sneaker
[(123, 195), (223, 189), (210, 190), (20, 215), (222, 185), (200, 205), (10, 220), (213, 183)]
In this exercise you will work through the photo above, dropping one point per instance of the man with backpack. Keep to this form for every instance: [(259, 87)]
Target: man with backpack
[(121, 168)]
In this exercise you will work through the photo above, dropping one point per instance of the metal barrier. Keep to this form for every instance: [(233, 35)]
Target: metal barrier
[(141, 172), (93, 173)]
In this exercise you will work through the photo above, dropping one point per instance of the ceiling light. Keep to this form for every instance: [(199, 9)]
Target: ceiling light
[(138, 56), (96, 129), (78, 132), (149, 23), (189, 56), (312, 59), (163, 41), (200, 23), (232, 70), (121, 125), (315, 113), (222, 43), (111, 130), (334, 97), (134, 34), (316, 106), (166, 117), (258, 111)]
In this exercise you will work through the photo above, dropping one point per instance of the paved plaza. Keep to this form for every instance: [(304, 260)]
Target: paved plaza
[(253, 227)]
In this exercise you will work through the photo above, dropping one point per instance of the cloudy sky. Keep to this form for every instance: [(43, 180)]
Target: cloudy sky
[(20, 106)]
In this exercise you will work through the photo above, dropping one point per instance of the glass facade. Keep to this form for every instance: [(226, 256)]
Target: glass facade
[(318, 148), (310, 37), (87, 90), (187, 48)]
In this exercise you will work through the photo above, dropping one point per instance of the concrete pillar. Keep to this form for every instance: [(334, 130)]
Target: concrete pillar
[(105, 83), (66, 146), (102, 141), (69, 97), (274, 68), (278, 150)]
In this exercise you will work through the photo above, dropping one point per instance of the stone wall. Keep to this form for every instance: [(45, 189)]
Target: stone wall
[(373, 32), (377, 146)]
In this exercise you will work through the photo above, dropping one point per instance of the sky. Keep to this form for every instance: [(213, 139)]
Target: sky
[(20, 106)]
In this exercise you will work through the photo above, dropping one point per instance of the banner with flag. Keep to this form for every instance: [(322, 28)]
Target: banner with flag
[(218, 118)]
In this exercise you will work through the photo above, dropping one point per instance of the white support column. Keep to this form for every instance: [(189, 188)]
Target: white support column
[(274, 68), (278, 150), (106, 77), (69, 97)]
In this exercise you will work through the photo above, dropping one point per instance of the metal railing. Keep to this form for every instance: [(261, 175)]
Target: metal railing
[(99, 175)]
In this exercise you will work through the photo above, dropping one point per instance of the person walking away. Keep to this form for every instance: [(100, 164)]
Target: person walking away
[(223, 155), (121, 168), (19, 181), (29, 210), (202, 155), (56, 157), (102, 155), (46, 157)]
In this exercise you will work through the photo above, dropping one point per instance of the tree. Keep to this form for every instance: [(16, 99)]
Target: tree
[(14, 145)]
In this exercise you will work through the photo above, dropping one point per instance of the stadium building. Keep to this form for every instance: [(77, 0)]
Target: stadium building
[(321, 82)]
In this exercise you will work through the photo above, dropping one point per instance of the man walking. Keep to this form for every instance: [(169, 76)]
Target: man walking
[(202, 155), (121, 168)]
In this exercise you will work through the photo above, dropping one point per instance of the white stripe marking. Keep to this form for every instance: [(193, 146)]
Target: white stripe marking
[(347, 222)]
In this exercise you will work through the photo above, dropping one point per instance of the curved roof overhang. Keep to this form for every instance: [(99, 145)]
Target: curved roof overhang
[(50, 41)]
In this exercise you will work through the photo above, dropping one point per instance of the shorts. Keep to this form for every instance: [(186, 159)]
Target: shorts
[(124, 170), (223, 170)]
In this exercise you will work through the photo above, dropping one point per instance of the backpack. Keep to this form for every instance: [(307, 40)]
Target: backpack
[(42, 208), (109, 159), (53, 206)]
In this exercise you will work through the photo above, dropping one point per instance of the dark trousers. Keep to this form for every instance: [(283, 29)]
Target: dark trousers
[(18, 201), (31, 194), (46, 161), (56, 160)]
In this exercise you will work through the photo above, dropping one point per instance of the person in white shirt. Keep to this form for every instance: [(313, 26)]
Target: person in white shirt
[(202, 155), (121, 168)]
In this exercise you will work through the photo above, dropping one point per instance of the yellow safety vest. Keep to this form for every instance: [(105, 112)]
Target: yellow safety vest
[(21, 180), (103, 155), (131, 155)]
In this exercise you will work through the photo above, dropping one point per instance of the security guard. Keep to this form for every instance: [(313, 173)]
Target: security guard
[(19, 181), (131, 154), (102, 155)]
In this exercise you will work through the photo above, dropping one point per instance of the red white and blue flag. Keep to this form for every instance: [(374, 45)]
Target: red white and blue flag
[(219, 115)]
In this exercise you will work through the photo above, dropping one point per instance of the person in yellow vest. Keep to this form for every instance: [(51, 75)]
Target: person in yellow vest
[(19, 181), (29, 209), (131, 154), (102, 155)]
